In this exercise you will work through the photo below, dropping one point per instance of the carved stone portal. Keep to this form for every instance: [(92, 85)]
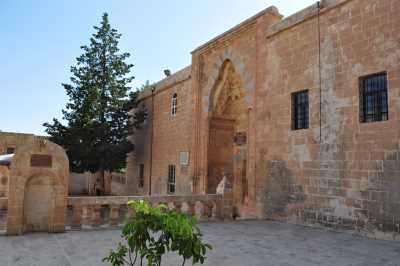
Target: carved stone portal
[(228, 126)]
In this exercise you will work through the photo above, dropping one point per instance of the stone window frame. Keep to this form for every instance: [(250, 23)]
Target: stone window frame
[(374, 87), (174, 104), (300, 100), (171, 184), (184, 158)]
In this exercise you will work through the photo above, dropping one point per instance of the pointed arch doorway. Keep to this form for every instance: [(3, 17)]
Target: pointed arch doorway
[(228, 127)]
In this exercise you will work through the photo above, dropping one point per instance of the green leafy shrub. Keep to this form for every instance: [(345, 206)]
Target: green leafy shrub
[(154, 231)]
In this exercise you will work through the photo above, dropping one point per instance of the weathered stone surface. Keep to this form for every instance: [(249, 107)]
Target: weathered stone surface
[(338, 172)]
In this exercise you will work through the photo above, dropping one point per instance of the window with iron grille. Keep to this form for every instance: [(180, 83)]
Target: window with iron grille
[(174, 104), (10, 150), (141, 175), (373, 98), (171, 178), (300, 110)]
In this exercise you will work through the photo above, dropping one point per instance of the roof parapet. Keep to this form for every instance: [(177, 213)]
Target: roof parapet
[(177, 77), (303, 15), (272, 10)]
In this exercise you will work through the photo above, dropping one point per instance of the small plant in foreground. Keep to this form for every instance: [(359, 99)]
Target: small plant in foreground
[(154, 231)]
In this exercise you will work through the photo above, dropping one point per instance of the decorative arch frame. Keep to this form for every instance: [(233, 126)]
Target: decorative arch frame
[(228, 56), (21, 172)]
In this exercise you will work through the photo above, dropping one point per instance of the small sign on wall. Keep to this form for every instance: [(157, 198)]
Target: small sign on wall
[(184, 158), (41, 160), (240, 138)]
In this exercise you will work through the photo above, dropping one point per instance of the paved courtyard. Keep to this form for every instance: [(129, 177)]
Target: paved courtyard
[(244, 243)]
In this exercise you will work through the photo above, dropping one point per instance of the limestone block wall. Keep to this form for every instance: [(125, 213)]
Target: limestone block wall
[(118, 188), (10, 140), (3, 213), (171, 135), (339, 172), (85, 183), (242, 48)]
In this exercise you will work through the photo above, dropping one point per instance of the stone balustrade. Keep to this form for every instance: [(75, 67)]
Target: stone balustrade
[(110, 211), (3, 213)]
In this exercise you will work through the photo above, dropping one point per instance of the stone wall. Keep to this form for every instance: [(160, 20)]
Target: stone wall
[(38, 187), (344, 173), (171, 135), (98, 212), (119, 186), (10, 140), (339, 172), (84, 183), (240, 48)]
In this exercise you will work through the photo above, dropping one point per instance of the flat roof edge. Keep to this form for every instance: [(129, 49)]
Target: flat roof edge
[(303, 15), (177, 77), (270, 9)]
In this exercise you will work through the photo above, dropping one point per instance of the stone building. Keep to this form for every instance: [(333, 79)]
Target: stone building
[(300, 113)]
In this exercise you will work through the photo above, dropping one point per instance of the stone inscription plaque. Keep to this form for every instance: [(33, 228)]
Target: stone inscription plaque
[(41, 160)]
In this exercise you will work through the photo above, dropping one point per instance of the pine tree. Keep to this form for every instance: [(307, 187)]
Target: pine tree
[(97, 113)]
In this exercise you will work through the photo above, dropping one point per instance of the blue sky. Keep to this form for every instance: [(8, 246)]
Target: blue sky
[(40, 41)]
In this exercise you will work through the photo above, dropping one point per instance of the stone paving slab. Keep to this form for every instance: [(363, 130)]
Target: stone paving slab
[(241, 243)]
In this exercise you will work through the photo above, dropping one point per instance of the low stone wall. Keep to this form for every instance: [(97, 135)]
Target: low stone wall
[(118, 189), (3, 213), (78, 184), (98, 212)]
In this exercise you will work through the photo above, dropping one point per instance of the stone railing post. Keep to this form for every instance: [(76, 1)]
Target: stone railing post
[(97, 215), (76, 216), (87, 219), (114, 215)]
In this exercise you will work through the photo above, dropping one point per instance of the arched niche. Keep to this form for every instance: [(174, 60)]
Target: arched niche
[(38, 188), (228, 128)]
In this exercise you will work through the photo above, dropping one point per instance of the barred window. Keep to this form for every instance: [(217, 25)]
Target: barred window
[(373, 98), (171, 178), (300, 110), (174, 104), (10, 150), (141, 175)]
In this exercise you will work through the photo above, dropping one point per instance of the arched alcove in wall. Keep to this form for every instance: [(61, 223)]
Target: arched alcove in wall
[(38, 188), (228, 127)]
